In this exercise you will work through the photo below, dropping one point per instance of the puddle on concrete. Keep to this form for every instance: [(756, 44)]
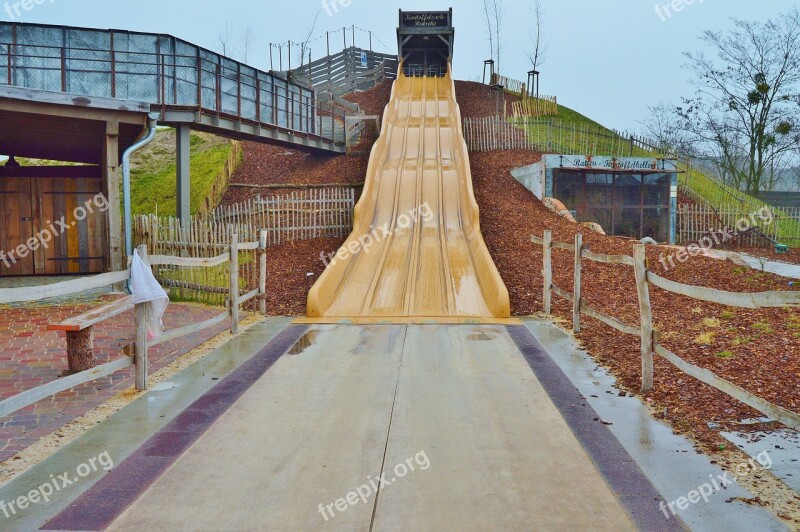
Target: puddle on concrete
[(483, 334), (164, 386), (481, 337), (305, 341)]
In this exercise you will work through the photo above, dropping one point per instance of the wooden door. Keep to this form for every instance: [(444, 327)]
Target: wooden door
[(16, 227)]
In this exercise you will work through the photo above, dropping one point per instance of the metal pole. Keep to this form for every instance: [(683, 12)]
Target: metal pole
[(271, 66)]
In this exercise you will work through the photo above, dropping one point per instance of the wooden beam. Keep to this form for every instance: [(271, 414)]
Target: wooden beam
[(142, 314), (732, 299), (607, 259), (112, 183), (610, 321), (34, 395), (787, 417), (34, 101), (168, 260), (234, 283), (646, 313), (75, 286), (190, 329), (547, 271), (576, 293)]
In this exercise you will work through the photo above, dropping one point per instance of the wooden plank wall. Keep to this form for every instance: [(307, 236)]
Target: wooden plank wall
[(33, 206)]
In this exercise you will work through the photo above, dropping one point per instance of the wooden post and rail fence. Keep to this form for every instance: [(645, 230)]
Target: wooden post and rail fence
[(142, 344), (650, 345)]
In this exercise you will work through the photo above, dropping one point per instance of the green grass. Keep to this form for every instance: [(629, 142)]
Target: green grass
[(153, 172)]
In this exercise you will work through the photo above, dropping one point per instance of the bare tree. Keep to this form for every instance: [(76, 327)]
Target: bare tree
[(498, 13), (246, 39), (489, 27), (494, 12), (224, 36), (539, 42), (667, 130), (743, 116)]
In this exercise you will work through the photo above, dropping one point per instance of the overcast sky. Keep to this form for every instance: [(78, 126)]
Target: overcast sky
[(608, 59)]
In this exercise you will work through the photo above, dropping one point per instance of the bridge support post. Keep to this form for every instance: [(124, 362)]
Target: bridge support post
[(112, 182), (183, 185)]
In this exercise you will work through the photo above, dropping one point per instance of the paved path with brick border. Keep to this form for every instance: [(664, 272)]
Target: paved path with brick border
[(30, 356)]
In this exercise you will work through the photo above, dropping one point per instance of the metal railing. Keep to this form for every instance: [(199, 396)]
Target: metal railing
[(166, 72)]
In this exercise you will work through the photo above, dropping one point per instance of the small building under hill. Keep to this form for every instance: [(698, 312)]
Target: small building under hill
[(628, 196)]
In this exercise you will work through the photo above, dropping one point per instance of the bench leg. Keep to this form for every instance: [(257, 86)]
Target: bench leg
[(80, 350)]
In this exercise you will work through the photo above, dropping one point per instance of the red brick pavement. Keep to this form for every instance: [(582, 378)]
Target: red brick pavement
[(30, 355)]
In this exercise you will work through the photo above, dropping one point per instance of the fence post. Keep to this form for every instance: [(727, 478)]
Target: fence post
[(141, 313), (547, 272), (234, 286), (262, 274), (576, 303), (646, 312)]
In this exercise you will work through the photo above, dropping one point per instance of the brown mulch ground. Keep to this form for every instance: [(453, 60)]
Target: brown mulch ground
[(373, 101), (288, 269), (476, 100), (740, 343), (273, 165)]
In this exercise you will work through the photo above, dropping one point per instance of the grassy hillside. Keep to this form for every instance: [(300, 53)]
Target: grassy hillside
[(153, 172)]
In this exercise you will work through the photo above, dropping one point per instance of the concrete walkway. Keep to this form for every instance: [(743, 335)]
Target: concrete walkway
[(380, 428)]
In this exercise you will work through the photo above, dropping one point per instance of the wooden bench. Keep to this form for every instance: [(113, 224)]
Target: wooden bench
[(80, 333)]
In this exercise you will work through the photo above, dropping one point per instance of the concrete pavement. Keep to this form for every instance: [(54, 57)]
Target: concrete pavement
[(385, 427)]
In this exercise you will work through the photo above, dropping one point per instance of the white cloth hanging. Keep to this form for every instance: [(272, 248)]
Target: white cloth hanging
[(145, 289)]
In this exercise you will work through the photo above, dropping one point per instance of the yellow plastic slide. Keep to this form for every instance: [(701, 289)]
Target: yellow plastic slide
[(416, 250)]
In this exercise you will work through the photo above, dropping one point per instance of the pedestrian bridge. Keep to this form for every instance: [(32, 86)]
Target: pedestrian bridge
[(184, 83)]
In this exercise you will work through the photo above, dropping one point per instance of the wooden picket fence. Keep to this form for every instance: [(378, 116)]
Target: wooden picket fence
[(697, 221), (533, 107), (650, 345), (496, 133), (303, 215), (548, 135), (510, 84)]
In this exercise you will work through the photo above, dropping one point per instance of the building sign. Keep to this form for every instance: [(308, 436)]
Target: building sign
[(364, 59), (614, 163), (426, 20)]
